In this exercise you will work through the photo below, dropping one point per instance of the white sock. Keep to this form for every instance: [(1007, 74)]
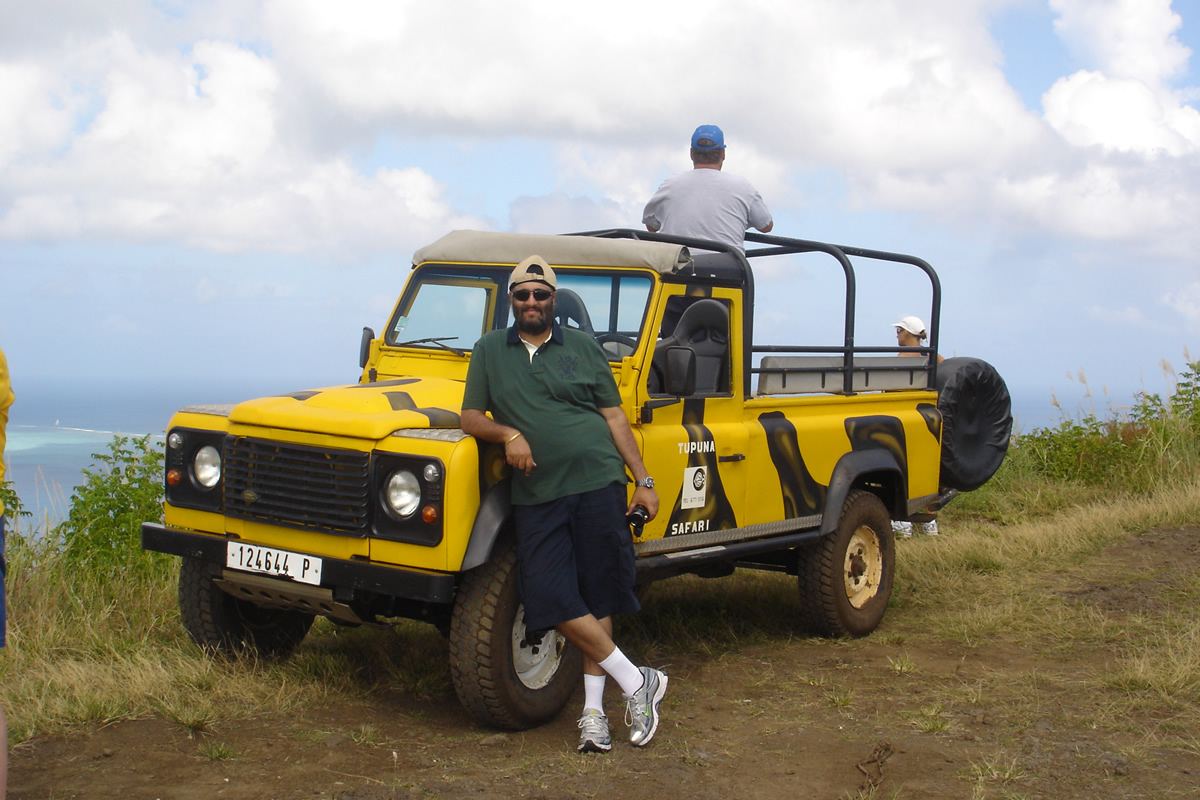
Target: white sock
[(623, 671), (593, 692)]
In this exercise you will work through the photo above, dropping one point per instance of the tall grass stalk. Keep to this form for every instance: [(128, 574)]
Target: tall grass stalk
[(1152, 444)]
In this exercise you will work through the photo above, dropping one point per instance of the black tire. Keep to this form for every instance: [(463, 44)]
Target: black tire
[(976, 422), (224, 625), (846, 578), (500, 677)]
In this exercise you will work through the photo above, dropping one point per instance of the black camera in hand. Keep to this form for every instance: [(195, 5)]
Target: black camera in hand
[(637, 519)]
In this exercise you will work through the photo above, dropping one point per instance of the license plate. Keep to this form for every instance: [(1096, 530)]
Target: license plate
[(269, 561)]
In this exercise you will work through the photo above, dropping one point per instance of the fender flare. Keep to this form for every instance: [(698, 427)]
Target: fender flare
[(846, 473), (495, 511)]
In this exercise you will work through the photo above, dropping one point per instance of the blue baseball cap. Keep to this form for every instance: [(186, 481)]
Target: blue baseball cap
[(708, 137)]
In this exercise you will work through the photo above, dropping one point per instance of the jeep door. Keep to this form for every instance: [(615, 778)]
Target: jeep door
[(695, 444)]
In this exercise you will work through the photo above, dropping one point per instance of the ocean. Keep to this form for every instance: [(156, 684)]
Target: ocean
[(55, 427)]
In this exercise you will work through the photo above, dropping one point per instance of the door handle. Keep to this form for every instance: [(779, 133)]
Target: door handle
[(734, 457)]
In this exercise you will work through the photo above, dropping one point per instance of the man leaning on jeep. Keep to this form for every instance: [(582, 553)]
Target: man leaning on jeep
[(556, 409)]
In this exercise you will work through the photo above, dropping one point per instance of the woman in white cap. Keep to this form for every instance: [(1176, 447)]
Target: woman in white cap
[(910, 331)]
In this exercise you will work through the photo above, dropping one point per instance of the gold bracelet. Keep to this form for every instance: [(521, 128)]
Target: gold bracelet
[(512, 438)]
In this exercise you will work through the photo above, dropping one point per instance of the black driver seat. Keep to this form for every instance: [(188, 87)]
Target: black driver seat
[(704, 329), (569, 306)]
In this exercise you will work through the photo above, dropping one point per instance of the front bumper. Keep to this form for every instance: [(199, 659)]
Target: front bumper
[(340, 575)]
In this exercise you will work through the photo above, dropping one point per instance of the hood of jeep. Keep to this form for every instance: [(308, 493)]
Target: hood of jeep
[(362, 411)]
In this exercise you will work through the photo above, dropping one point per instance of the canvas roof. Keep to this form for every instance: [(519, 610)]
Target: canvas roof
[(482, 247)]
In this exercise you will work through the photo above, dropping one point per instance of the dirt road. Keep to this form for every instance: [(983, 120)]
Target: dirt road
[(902, 712)]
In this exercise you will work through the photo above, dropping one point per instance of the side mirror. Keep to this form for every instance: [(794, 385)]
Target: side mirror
[(364, 347), (681, 371)]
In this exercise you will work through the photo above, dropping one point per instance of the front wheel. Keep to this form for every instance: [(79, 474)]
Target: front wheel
[(221, 623), (846, 579), (502, 675)]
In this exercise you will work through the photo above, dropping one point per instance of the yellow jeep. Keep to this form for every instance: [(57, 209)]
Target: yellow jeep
[(367, 502)]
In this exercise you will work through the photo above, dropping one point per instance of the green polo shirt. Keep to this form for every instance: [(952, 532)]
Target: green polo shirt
[(554, 401)]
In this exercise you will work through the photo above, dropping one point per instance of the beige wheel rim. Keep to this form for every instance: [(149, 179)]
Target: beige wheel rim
[(536, 665), (863, 567)]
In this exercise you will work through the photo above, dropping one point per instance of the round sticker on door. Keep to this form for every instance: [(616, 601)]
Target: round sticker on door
[(695, 487)]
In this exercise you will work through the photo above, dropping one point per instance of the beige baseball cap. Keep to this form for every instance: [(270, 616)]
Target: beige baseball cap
[(913, 325), (533, 268)]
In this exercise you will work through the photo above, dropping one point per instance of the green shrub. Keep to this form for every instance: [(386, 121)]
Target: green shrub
[(103, 527), (13, 508), (1152, 444)]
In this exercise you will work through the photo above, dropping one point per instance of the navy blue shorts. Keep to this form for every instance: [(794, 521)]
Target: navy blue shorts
[(575, 557)]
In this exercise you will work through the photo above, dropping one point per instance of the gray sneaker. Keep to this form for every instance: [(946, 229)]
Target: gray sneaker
[(641, 710), (593, 733)]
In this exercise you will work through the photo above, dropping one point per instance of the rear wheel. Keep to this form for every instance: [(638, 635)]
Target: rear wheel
[(502, 675), (846, 579), (223, 624)]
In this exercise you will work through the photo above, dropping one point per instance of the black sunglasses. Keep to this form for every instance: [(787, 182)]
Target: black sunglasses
[(541, 295)]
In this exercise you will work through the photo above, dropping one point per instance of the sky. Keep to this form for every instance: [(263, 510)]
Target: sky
[(227, 191)]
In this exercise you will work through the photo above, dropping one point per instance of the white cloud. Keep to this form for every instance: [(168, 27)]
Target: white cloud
[(1114, 201), (206, 290), (1184, 300), (1126, 38), (246, 127), (1123, 114), (909, 85), (558, 212), (119, 323), (37, 120), (479, 66), (1124, 103), (187, 147), (378, 305), (1131, 316)]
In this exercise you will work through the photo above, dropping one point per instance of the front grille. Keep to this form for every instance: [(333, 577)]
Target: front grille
[(297, 487)]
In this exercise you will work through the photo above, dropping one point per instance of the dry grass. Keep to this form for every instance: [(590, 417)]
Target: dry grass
[(991, 588), (91, 649), (94, 649)]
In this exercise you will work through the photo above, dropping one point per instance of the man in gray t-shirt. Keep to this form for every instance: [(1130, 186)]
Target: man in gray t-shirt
[(706, 203)]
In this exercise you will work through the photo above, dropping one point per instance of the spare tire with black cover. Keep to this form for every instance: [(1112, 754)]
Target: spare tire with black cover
[(976, 422)]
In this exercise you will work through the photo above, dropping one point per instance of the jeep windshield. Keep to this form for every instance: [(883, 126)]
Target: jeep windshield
[(448, 307)]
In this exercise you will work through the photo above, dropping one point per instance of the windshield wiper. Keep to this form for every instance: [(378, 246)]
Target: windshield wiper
[(435, 340)]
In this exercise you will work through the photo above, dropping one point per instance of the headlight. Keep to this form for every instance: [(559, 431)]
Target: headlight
[(206, 466), (402, 493)]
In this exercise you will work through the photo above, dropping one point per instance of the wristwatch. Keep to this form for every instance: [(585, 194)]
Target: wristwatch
[(647, 482)]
